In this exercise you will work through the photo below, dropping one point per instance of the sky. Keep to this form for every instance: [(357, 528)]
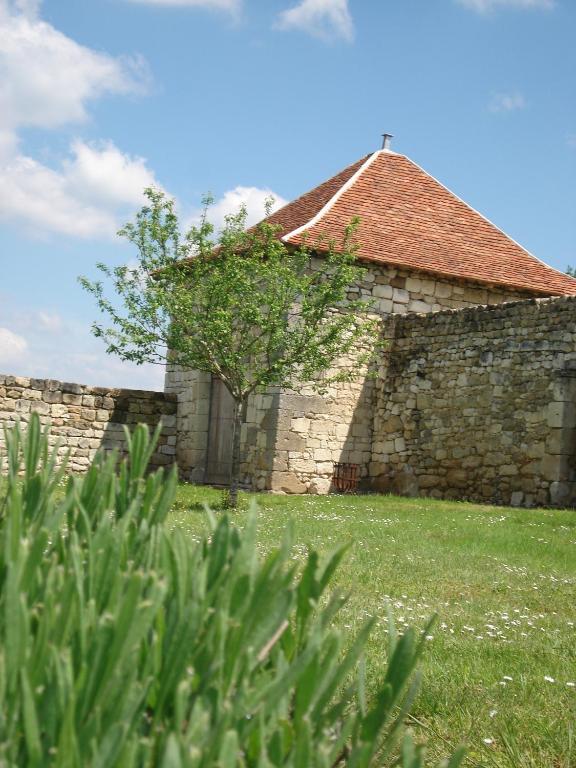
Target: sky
[(245, 98)]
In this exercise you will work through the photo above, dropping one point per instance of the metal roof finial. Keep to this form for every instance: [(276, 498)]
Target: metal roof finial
[(387, 141)]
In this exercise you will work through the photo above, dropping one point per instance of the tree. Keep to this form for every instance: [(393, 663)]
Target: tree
[(241, 305)]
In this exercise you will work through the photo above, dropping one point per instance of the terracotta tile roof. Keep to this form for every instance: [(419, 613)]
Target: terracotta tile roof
[(409, 219)]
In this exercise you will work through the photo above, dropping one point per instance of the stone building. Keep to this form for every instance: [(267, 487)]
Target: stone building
[(425, 251)]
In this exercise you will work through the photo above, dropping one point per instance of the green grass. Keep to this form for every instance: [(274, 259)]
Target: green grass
[(503, 584)]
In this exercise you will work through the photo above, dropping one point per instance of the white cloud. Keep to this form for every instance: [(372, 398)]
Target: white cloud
[(102, 173), (485, 6), (46, 81), (46, 78), (254, 198), (84, 198), (571, 140), (12, 347), (326, 19), (231, 6), (507, 102)]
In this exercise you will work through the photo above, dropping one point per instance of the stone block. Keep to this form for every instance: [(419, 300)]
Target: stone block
[(413, 285), (288, 441), (555, 414), (385, 306), (562, 494), (382, 291), (555, 442), (400, 296), (71, 398), (286, 482), (456, 478), (399, 444), (301, 425), (419, 306), (320, 486), (303, 466), (516, 499), (38, 406), (52, 396), (74, 389), (443, 290)]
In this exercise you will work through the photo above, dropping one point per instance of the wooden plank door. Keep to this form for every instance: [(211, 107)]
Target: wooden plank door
[(220, 434)]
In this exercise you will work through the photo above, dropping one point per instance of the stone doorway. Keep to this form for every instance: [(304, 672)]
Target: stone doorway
[(220, 434)]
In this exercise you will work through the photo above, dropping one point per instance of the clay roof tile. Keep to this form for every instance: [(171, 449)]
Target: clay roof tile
[(409, 219)]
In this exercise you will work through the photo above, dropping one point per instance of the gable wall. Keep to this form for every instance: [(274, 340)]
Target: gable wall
[(480, 404)]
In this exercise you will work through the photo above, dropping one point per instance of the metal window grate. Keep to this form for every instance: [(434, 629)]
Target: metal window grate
[(345, 477)]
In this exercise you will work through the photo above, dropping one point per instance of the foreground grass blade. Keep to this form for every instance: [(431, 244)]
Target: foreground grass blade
[(125, 644)]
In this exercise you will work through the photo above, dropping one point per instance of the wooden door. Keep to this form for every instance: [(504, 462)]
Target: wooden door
[(220, 434)]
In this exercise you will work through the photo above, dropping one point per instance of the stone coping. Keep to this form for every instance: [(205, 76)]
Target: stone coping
[(53, 385)]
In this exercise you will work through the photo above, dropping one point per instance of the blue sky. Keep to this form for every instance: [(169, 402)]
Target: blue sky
[(99, 98)]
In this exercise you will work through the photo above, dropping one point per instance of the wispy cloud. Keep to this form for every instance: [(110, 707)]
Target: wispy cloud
[(13, 347), (486, 6), (229, 6), (507, 102), (571, 140), (47, 344), (325, 19)]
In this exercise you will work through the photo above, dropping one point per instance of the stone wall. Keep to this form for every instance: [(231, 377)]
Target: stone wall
[(84, 419), (291, 440), (314, 432), (193, 390), (480, 404)]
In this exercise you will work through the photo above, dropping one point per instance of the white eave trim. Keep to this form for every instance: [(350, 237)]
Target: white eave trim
[(334, 199)]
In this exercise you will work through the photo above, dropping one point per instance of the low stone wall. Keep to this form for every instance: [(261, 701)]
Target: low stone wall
[(84, 419), (480, 403)]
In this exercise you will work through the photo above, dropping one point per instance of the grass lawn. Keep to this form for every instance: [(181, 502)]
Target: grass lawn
[(500, 672)]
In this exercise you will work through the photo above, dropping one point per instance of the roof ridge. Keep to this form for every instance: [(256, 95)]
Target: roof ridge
[(482, 216), (336, 196)]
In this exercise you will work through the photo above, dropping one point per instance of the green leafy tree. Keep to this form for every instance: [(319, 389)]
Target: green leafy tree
[(241, 305)]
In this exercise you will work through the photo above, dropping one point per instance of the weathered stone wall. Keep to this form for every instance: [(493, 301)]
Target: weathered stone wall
[(84, 419), (191, 389), (480, 404), (193, 392), (291, 440), (314, 432)]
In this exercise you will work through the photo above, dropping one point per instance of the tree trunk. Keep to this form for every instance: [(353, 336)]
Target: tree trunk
[(235, 470)]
